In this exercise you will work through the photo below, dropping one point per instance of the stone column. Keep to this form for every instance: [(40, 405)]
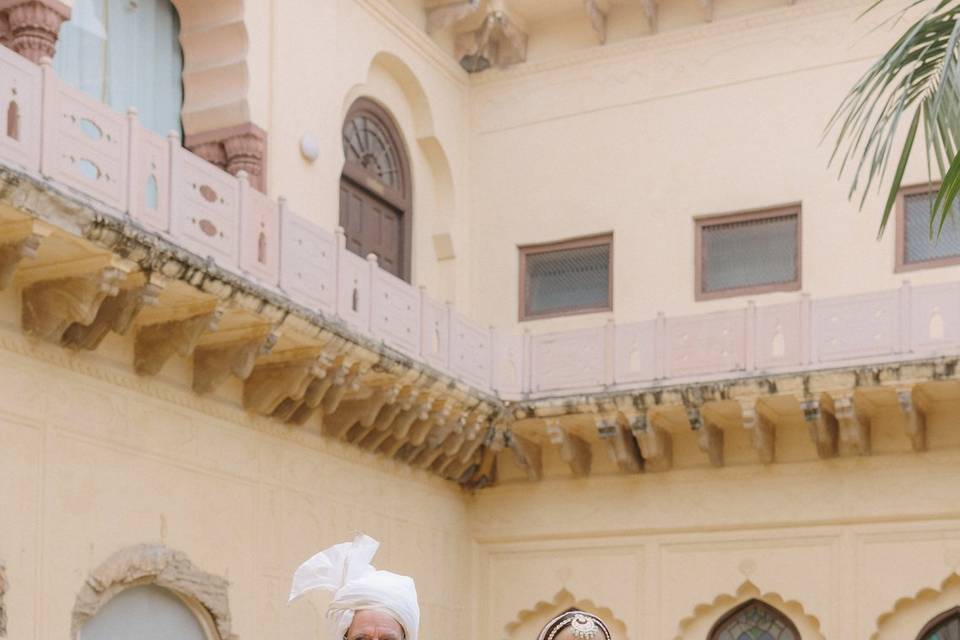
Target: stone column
[(33, 26), (234, 149)]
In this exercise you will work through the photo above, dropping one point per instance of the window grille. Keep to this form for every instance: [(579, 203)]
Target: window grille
[(565, 278), (918, 244), (752, 253), (755, 621)]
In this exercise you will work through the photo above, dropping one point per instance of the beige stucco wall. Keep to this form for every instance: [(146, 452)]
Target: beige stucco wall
[(642, 135), (94, 460), (837, 546)]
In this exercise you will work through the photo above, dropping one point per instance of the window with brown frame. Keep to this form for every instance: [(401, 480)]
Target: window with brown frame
[(945, 626), (748, 253), (566, 278), (917, 247)]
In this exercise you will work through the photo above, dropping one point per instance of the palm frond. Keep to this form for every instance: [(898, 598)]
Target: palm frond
[(916, 81)]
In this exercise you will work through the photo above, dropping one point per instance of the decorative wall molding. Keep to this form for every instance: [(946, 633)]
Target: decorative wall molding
[(710, 612), (561, 601), (159, 565), (904, 605)]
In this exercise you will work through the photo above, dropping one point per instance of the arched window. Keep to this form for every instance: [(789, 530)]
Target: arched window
[(945, 626), (125, 53), (375, 194), (754, 620), (146, 612)]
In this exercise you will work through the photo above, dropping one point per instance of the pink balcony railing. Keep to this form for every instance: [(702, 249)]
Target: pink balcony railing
[(49, 130)]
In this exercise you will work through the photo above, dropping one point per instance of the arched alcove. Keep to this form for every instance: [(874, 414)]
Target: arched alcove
[(528, 622), (706, 616), (155, 565), (392, 83), (910, 616)]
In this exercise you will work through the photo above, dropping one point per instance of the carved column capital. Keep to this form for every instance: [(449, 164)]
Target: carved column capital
[(234, 149), (34, 26)]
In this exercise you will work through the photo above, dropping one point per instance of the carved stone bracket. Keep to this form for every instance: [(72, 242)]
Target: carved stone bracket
[(498, 41), (34, 26), (116, 313), (710, 438), (51, 306), (622, 447), (485, 472), (18, 240), (362, 412), (839, 423), (762, 429), (347, 378), (914, 408), (598, 19), (213, 364), (156, 343), (153, 564), (823, 428), (527, 454), (574, 450), (270, 384), (656, 444)]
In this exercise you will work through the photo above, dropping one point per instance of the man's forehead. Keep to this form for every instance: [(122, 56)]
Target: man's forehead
[(370, 622)]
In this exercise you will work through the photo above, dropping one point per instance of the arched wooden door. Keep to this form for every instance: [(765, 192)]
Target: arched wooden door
[(375, 194)]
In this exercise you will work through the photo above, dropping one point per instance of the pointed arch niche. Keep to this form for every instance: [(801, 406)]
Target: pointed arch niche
[(920, 615), (708, 618), (528, 622)]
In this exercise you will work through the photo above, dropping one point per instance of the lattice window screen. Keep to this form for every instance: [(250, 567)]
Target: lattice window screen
[(567, 280), (756, 622), (750, 253), (918, 245)]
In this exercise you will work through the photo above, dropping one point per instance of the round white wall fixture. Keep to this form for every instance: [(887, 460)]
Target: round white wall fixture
[(309, 147)]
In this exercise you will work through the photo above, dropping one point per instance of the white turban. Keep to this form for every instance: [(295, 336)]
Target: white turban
[(346, 572)]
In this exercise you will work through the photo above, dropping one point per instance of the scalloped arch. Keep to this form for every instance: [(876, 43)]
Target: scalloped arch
[(924, 605), (707, 613), (216, 77), (543, 610)]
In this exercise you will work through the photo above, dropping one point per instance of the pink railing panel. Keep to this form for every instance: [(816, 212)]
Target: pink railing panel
[(567, 360), (395, 316), (353, 302), (778, 341), (20, 110), (934, 318), (308, 262), (508, 371), (435, 336), (259, 235), (149, 198), (206, 209), (84, 143), (856, 326), (706, 344), (470, 351), (635, 355)]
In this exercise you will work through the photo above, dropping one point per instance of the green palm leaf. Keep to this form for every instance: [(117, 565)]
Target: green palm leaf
[(916, 81)]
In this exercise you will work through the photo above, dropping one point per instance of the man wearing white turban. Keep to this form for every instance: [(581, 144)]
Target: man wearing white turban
[(367, 604)]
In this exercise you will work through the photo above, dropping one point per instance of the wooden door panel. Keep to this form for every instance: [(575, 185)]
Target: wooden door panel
[(372, 226)]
